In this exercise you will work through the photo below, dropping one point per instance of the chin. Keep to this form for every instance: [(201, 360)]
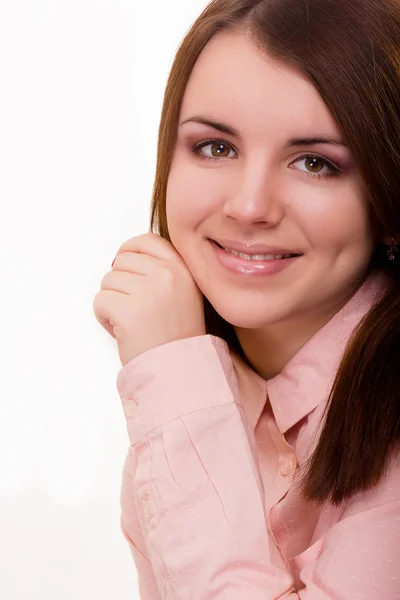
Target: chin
[(246, 317)]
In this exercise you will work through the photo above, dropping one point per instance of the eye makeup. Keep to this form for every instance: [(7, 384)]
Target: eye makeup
[(333, 169)]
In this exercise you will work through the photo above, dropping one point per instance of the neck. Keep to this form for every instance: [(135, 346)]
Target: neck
[(269, 349)]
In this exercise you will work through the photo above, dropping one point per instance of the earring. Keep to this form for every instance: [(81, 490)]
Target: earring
[(390, 252)]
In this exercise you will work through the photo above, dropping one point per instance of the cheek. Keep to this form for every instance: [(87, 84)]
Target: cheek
[(190, 200), (336, 219)]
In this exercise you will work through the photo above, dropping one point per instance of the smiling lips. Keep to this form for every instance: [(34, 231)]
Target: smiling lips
[(255, 265), (249, 250)]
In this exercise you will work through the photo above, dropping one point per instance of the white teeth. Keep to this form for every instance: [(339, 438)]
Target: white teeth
[(258, 256)]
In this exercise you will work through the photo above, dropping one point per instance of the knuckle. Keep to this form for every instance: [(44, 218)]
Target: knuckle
[(128, 243)]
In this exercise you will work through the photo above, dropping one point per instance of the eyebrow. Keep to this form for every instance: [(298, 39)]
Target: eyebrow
[(229, 130)]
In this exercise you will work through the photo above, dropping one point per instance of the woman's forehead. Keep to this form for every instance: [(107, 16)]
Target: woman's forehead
[(232, 79)]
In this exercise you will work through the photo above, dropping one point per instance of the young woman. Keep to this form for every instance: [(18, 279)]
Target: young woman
[(258, 323)]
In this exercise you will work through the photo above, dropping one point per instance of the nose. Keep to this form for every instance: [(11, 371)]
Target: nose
[(256, 199)]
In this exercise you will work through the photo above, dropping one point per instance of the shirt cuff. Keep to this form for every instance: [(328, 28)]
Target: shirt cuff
[(175, 379)]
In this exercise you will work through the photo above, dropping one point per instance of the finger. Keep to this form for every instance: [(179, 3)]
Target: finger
[(122, 282), (102, 312), (132, 262), (152, 245), (107, 326), (109, 308)]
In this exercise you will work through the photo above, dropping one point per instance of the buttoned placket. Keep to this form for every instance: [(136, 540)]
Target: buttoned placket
[(287, 463)]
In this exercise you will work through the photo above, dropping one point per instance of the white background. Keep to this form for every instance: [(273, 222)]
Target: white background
[(81, 89)]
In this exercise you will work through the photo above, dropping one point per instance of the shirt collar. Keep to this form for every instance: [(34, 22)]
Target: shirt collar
[(306, 380)]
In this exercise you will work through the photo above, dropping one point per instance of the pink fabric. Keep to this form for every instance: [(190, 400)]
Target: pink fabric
[(210, 505)]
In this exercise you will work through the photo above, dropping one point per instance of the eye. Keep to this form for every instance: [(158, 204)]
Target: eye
[(218, 149), (317, 166)]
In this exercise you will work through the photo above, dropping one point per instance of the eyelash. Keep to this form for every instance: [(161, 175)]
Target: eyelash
[(335, 171)]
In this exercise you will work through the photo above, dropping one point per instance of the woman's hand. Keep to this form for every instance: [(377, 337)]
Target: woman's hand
[(149, 298)]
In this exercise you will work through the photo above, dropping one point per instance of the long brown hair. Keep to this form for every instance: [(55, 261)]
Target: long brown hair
[(350, 51)]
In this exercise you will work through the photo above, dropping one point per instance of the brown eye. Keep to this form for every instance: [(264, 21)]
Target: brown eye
[(218, 149), (315, 164)]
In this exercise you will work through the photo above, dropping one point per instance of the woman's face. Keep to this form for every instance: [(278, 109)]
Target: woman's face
[(261, 188)]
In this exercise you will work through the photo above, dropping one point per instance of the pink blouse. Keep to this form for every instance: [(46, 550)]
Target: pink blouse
[(210, 504)]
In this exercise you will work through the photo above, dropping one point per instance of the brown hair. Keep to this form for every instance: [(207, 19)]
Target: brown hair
[(350, 51)]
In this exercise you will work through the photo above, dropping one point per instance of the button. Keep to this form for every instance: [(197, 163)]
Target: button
[(287, 466), (130, 408)]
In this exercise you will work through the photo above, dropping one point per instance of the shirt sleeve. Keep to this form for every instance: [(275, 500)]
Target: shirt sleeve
[(132, 526), (200, 496)]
